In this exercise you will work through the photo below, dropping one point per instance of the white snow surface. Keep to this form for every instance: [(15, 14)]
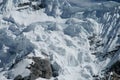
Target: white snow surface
[(66, 39)]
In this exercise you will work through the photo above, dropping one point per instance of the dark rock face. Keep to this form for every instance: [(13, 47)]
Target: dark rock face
[(55, 69), (116, 68), (113, 73), (19, 77), (24, 4), (40, 4), (55, 74), (40, 68)]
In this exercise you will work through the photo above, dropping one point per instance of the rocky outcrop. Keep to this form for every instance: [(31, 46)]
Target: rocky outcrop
[(55, 69), (34, 4), (41, 68), (112, 73), (19, 77), (115, 68), (38, 68)]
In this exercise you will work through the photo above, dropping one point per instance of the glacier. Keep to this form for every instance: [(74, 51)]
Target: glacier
[(81, 38)]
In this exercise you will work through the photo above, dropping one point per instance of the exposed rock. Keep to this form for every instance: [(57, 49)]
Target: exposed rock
[(38, 4), (41, 68), (55, 74), (38, 68), (55, 69), (24, 4), (116, 68), (19, 77), (113, 73)]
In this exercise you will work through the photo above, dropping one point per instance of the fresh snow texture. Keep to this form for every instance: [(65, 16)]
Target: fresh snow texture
[(62, 34)]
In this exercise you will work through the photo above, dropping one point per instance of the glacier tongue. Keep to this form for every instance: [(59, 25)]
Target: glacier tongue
[(81, 40)]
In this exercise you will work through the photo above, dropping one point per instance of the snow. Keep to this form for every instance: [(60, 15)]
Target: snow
[(28, 18), (20, 69), (30, 32)]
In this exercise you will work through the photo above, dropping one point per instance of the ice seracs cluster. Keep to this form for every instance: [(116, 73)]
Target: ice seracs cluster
[(79, 42)]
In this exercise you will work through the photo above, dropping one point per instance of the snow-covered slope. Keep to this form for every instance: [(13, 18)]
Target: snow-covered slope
[(82, 37)]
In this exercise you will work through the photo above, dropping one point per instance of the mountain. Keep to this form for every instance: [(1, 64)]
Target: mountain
[(59, 40)]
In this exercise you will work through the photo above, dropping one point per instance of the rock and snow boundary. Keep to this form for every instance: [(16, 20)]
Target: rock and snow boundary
[(79, 41)]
